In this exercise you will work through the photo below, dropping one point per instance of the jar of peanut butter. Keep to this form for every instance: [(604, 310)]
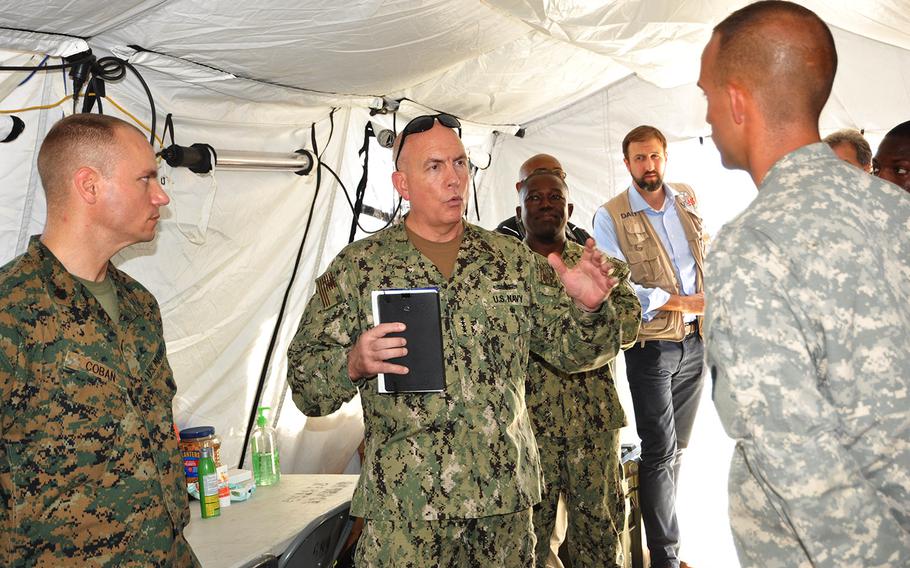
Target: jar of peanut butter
[(192, 440)]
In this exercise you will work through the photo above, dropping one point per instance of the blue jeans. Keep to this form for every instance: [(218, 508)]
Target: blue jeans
[(665, 379)]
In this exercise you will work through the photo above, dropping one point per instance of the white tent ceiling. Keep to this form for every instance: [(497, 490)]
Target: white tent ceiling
[(576, 74), (489, 61)]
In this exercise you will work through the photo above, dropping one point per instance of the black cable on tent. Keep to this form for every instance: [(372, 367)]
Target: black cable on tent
[(357, 206), (474, 169), (362, 185), (79, 59), (287, 292), (114, 69), (347, 196), (168, 128), (86, 69)]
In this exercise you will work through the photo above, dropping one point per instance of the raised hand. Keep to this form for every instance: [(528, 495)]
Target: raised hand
[(590, 281)]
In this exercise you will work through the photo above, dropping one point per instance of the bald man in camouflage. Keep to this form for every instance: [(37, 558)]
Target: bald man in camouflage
[(807, 310), (90, 472), (449, 478)]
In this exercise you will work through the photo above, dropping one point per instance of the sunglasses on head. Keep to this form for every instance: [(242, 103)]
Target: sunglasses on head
[(424, 123)]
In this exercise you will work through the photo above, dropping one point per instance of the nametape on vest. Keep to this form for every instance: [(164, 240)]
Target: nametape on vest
[(627, 214), (78, 362)]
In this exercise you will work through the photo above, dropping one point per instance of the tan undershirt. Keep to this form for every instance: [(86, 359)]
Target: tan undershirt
[(106, 294), (442, 255)]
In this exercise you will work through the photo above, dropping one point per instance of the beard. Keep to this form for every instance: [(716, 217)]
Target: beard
[(650, 186)]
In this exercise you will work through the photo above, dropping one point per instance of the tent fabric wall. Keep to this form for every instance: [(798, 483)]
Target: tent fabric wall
[(576, 75), (587, 136), (220, 288), (496, 61)]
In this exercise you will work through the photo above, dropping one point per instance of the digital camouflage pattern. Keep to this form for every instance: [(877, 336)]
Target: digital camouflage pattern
[(500, 540), (576, 418), (577, 404), (90, 471), (588, 472), (808, 327), (470, 451)]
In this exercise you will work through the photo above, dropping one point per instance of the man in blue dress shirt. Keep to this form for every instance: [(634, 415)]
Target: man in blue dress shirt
[(657, 230)]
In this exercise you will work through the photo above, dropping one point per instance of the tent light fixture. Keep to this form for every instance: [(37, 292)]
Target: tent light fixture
[(201, 158), (384, 105), (386, 138)]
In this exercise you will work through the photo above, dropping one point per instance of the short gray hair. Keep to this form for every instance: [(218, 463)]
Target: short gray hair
[(854, 138)]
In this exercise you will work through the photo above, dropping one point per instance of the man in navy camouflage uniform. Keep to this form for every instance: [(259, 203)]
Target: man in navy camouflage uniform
[(539, 163), (90, 471), (576, 416), (807, 319), (448, 478)]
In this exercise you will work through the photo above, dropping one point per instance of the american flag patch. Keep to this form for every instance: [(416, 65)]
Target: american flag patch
[(327, 288)]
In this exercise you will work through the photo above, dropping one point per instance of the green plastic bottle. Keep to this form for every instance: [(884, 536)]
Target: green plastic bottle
[(208, 485), (264, 449)]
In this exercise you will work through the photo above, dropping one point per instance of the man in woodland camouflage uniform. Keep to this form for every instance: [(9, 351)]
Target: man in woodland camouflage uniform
[(807, 321), (90, 472), (576, 417), (449, 478)]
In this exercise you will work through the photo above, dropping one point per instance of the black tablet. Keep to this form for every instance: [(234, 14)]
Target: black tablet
[(418, 309)]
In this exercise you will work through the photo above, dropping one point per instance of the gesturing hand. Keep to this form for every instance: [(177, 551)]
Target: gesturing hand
[(369, 354), (590, 281)]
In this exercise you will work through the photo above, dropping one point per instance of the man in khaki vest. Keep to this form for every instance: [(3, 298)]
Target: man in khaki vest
[(657, 230)]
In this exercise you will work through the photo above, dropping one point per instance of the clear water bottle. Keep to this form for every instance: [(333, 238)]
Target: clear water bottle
[(264, 450)]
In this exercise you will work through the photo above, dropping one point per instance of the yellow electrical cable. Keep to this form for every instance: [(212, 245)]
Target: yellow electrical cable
[(68, 97), (136, 120), (40, 107)]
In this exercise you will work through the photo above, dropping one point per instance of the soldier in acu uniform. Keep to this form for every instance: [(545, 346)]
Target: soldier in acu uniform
[(90, 472), (449, 478), (807, 321), (576, 417)]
